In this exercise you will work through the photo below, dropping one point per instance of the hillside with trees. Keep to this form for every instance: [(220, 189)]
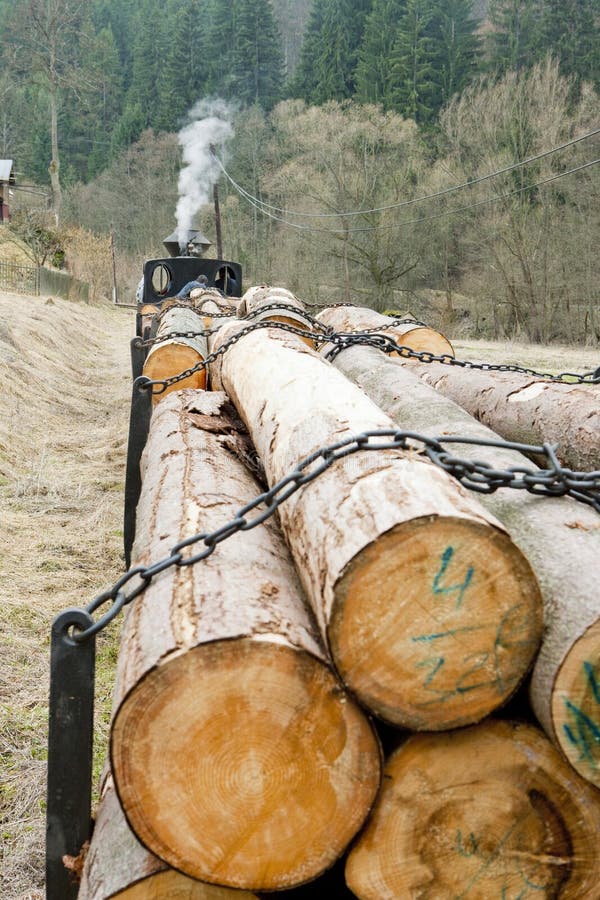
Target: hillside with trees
[(350, 113)]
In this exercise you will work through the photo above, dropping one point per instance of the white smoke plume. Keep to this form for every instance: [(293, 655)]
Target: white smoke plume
[(209, 122)]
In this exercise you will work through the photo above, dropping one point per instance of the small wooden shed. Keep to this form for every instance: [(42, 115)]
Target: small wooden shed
[(7, 178)]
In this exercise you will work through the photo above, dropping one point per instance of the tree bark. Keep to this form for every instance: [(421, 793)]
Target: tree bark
[(392, 551), (262, 295), (213, 298), (118, 866), (521, 408), (489, 811), (237, 756), (564, 686), (176, 354), (361, 318)]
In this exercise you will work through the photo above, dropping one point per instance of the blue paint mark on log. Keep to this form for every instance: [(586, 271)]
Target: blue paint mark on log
[(459, 589)]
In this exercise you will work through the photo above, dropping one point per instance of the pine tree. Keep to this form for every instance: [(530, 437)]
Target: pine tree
[(220, 47), (373, 68), (305, 80), (182, 75), (330, 50), (148, 53), (412, 88), (104, 104), (257, 58), (512, 42), (457, 47), (570, 29)]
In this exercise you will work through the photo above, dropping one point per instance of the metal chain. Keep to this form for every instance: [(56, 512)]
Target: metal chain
[(342, 341), (354, 306), (205, 332), (287, 307), (553, 481), (195, 309), (165, 383)]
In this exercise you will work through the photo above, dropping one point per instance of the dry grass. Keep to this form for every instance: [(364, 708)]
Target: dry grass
[(65, 378), (552, 358)]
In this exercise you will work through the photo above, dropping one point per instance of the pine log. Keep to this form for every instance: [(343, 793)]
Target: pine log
[(392, 551), (210, 301), (237, 756), (361, 318), (564, 687), (118, 866), (260, 296), (177, 354), (521, 408), (491, 811)]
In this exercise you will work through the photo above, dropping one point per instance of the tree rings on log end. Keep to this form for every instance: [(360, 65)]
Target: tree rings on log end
[(170, 359), (243, 763), (488, 811), (170, 885), (435, 624), (576, 705)]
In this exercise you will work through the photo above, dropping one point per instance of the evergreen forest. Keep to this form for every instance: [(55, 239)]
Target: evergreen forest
[(360, 107)]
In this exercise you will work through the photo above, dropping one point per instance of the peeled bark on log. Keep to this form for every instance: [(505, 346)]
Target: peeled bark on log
[(262, 295), (489, 811), (118, 866), (209, 302), (564, 687), (391, 550), (527, 410), (361, 318), (174, 355), (236, 754)]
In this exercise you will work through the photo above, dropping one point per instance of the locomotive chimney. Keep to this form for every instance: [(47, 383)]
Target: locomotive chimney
[(194, 244)]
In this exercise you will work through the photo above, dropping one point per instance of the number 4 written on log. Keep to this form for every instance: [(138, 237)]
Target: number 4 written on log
[(460, 589)]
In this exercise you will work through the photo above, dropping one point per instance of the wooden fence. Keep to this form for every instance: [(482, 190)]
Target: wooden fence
[(18, 278)]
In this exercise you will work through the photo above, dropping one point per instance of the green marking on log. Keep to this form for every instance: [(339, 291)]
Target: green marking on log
[(461, 588)]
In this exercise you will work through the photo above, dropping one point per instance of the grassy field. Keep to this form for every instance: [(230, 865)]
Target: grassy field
[(65, 377), (65, 382)]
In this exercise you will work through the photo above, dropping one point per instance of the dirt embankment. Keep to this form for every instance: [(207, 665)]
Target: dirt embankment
[(65, 377)]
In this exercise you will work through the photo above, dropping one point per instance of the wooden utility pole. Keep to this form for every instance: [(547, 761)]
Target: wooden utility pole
[(218, 222), (114, 265)]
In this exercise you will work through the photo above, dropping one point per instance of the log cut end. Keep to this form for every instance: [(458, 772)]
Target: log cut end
[(243, 763), (576, 705), (412, 335), (170, 359), (489, 811), (421, 339), (435, 624), (169, 885)]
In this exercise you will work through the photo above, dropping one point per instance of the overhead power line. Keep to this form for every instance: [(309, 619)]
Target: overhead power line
[(263, 206), (447, 212)]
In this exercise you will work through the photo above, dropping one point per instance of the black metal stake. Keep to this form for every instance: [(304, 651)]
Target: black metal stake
[(70, 748), (139, 425), (138, 356)]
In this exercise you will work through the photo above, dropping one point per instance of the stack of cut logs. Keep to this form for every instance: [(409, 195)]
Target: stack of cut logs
[(385, 604)]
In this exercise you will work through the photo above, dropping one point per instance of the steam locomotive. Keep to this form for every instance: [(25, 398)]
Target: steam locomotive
[(164, 278)]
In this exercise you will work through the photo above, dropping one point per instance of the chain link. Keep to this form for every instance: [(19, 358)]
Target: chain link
[(161, 385), (343, 340), (553, 481), (288, 308)]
